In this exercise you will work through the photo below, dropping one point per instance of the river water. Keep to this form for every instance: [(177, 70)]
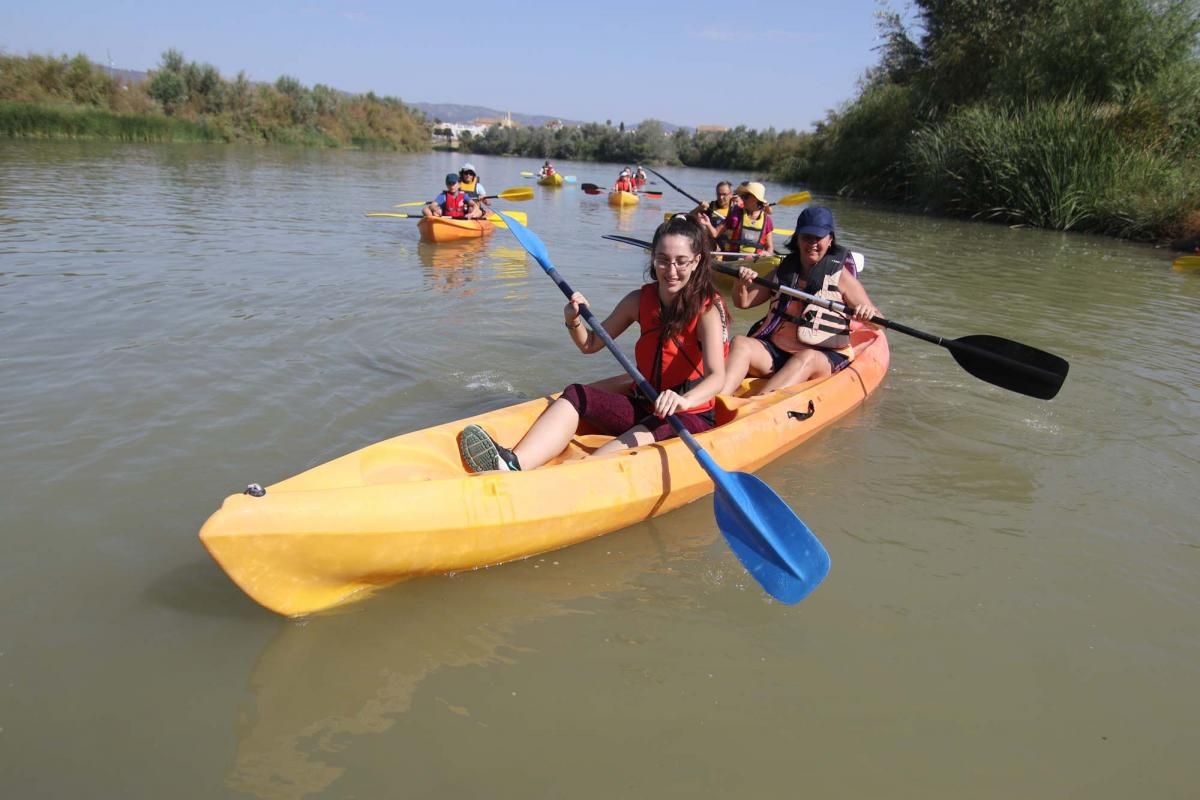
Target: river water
[(1012, 610)]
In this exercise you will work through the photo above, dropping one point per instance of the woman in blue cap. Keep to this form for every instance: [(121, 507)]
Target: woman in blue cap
[(798, 341)]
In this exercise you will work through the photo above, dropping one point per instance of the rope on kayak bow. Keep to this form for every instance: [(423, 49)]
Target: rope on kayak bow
[(254, 490)]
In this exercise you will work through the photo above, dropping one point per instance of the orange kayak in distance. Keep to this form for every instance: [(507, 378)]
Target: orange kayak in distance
[(444, 229)]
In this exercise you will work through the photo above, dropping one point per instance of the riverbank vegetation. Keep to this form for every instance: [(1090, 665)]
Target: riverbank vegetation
[(42, 96), (1067, 114)]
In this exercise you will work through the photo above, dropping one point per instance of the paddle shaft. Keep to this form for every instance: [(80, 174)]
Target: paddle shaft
[(676, 188), (953, 345)]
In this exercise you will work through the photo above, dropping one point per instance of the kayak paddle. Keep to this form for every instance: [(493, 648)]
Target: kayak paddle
[(515, 194), (592, 188), (493, 218), (773, 544), (1186, 263), (1001, 362)]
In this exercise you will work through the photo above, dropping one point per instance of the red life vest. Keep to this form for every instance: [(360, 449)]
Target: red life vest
[(676, 363), (624, 185), (455, 205)]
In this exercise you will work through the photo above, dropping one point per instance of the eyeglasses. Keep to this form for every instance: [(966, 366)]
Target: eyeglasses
[(680, 264), (472, 174)]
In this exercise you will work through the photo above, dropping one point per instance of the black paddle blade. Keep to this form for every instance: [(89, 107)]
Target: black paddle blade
[(1010, 365), (591, 188)]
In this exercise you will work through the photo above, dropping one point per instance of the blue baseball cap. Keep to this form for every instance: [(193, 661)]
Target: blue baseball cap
[(815, 221), (451, 178)]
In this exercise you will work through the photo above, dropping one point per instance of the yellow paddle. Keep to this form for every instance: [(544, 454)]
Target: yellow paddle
[(1186, 263), (520, 216), (516, 194)]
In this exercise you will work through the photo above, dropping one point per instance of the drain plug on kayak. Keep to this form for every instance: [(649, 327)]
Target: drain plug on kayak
[(254, 490)]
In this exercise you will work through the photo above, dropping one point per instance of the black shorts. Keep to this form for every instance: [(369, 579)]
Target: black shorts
[(779, 357)]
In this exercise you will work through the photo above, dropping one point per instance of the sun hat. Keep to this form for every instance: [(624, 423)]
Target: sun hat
[(815, 221), (754, 189), (468, 167), (451, 178)]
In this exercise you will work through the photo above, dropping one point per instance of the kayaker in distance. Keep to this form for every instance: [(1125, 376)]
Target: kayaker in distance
[(625, 182), (639, 177), (798, 341), (746, 229), (453, 203), (546, 171), (681, 352), (468, 179)]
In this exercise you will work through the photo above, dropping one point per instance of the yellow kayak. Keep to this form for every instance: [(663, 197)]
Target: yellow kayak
[(407, 506), (622, 199), (551, 180), (760, 264)]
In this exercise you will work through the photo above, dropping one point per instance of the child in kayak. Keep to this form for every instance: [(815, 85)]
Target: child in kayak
[(453, 203), (681, 352), (798, 341)]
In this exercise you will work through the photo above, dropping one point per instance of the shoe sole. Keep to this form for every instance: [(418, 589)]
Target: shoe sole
[(477, 449)]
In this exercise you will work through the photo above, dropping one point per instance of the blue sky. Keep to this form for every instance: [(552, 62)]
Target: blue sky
[(759, 63)]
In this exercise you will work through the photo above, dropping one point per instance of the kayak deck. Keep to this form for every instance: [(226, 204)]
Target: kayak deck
[(407, 506)]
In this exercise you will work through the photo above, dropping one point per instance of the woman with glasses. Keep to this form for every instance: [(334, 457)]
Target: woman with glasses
[(681, 352), (798, 341)]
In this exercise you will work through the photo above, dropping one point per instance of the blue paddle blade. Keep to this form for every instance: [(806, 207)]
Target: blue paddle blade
[(773, 544), (529, 240)]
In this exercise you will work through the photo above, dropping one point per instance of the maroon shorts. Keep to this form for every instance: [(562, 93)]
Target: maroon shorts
[(613, 414)]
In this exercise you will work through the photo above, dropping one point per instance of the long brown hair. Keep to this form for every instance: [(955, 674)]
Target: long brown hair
[(699, 290)]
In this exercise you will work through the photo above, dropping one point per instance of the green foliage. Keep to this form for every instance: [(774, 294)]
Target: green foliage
[(169, 89), (1064, 165), (198, 106), (1070, 114)]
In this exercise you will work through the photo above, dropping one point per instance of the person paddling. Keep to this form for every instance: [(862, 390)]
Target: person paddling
[(718, 209), (546, 171), (625, 182), (453, 203), (799, 341), (681, 352), (746, 229), (468, 179)]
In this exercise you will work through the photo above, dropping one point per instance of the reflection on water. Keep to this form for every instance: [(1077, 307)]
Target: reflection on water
[(452, 267), (324, 682)]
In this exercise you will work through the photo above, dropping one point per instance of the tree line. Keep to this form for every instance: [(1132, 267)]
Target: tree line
[(1066, 114), (189, 101)]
